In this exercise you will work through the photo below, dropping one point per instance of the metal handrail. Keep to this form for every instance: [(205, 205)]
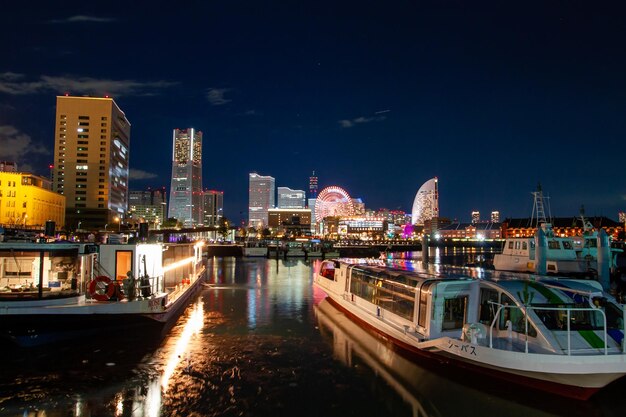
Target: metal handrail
[(525, 309)]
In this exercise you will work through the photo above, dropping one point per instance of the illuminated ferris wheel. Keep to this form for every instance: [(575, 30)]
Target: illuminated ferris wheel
[(333, 201)]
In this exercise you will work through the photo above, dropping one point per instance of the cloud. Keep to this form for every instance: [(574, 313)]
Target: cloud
[(138, 174), (16, 84), (216, 96), (16, 146), (347, 123), (83, 18)]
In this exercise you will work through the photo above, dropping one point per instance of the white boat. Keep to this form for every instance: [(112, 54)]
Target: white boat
[(561, 255), (57, 291), (255, 249), (564, 336)]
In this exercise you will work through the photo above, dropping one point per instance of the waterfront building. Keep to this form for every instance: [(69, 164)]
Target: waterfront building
[(148, 206), (288, 198), (359, 207), (293, 222), (260, 199), (426, 203), (495, 216), (213, 207), (91, 160), (311, 206), (186, 187), (364, 228), (561, 226), (475, 216), (27, 200), (434, 224), (474, 230)]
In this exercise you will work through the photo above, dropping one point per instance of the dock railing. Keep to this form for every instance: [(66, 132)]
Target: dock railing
[(568, 310)]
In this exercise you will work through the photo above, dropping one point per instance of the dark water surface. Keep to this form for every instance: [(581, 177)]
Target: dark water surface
[(259, 341)]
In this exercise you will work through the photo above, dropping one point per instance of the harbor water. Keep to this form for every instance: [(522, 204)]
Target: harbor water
[(259, 340)]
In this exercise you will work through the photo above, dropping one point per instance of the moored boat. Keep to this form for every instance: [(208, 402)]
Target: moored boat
[(58, 291), (564, 336)]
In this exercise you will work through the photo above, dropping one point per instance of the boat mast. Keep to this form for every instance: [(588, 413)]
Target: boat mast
[(540, 211)]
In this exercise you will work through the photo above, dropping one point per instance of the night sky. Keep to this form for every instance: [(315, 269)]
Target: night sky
[(376, 97)]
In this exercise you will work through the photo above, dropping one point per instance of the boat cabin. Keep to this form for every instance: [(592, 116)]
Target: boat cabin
[(44, 270), (551, 315)]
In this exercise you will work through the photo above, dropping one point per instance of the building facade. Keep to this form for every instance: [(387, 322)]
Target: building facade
[(295, 221), (426, 203), (148, 206), (91, 160), (186, 187), (213, 207), (27, 201), (288, 198), (260, 199)]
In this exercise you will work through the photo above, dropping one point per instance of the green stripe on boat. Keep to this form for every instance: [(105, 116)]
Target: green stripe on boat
[(592, 338), (546, 292)]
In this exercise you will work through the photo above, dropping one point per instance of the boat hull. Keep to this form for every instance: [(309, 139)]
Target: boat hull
[(579, 386), (40, 324)]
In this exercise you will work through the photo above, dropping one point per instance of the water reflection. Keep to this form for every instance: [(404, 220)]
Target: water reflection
[(254, 344), (428, 393)]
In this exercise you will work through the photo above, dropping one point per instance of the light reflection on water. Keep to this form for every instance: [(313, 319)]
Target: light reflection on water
[(256, 343)]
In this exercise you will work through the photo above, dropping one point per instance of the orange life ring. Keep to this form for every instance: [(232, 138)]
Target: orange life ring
[(95, 285)]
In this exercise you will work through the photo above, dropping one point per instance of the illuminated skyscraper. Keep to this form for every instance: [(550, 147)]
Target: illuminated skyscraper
[(313, 186), (426, 203), (475, 216), (288, 198), (91, 156), (213, 207), (148, 206), (261, 199), (495, 216), (186, 190)]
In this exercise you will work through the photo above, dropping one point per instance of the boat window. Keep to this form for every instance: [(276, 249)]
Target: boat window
[(123, 263), (553, 244), (516, 245), (532, 244), (591, 243), (511, 244), (516, 316), (392, 296), (487, 310), (328, 270), (524, 245), (423, 313), (454, 313), (567, 245)]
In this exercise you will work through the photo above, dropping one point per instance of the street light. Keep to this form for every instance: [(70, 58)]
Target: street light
[(119, 223)]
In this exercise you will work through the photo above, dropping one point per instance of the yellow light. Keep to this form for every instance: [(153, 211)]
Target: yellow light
[(178, 264)]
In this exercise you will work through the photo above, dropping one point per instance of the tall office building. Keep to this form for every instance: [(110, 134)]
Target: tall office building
[(186, 190), (475, 216), (290, 199), (213, 207), (495, 216), (261, 199), (313, 186), (148, 206), (91, 156)]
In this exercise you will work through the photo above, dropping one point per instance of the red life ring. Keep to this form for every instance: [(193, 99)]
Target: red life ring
[(96, 284)]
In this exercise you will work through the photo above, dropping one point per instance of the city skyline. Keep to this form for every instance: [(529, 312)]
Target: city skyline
[(490, 98)]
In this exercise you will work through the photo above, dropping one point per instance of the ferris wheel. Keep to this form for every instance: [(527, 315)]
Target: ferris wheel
[(333, 201)]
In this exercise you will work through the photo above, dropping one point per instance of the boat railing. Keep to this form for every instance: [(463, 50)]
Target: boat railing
[(568, 310)]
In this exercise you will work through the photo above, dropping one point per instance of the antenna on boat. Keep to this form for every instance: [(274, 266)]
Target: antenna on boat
[(540, 211)]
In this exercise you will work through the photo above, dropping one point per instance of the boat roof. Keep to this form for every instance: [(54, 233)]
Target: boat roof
[(547, 289)]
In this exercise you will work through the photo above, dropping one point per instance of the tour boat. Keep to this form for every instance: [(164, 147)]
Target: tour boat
[(57, 291), (560, 335), (254, 249), (562, 255)]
